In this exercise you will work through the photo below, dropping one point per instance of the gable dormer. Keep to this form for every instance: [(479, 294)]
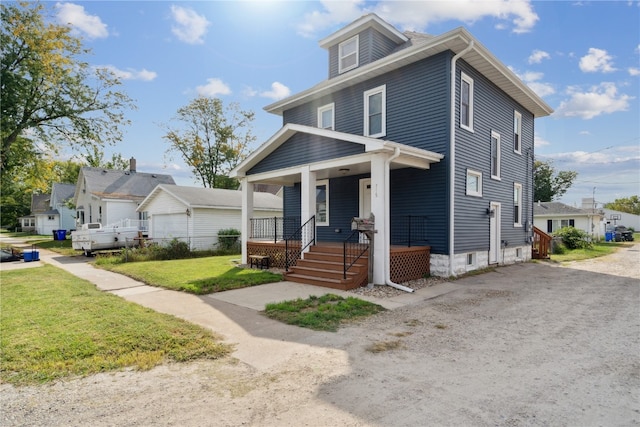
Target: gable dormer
[(363, 41)]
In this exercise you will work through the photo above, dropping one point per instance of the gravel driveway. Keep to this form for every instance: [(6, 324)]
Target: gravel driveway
[(529, 344)]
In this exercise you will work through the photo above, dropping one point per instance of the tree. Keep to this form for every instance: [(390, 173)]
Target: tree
[(213, 140), (48, 92), (549, 185), (626, 204)]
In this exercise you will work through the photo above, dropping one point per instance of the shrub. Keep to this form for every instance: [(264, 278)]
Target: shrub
[(228, 239), (573, 238)]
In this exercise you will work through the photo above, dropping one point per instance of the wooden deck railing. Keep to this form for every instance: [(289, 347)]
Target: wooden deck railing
[(541, 244)]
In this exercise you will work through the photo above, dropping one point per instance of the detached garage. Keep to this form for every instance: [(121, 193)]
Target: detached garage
[(195, 215)]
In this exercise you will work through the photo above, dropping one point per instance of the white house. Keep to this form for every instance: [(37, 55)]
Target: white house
[(552, 216), (613, 218), (61, 194), (112, 196), (196, 215)]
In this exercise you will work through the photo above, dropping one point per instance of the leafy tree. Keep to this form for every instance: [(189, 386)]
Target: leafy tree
[(213, 139), (549, 185), (48, 92), (626, 204), (95, 158)]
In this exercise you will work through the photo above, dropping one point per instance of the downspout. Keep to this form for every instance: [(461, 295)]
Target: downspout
[(452, 157), (387, 224)]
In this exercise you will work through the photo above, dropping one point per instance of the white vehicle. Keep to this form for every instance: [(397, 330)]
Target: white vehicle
[(94, 237)]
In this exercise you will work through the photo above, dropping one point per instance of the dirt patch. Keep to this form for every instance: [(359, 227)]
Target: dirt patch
[(530, 344)]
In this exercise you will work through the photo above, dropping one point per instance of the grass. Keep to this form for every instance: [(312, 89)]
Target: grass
[(195, 275), (56, 326), (324, 313), (598, 249)]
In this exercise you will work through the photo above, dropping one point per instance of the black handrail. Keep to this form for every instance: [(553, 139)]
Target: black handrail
[(308, 227), (272, 228), (352, 250)]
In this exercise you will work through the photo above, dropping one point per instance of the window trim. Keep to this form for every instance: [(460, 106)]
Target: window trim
[(478, 175), (496, 176), (465, 78), (324, 108), (517, 132), (383, 125), (320, 183), (341, 56), (517, 204)]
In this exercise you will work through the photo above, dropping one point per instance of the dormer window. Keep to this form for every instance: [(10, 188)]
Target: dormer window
[(348, 55)]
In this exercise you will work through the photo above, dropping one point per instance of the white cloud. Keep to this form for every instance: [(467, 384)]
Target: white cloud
[(538, 141), (277, 92), (516, 14), (74, 15), (213, 88), (189, 26), (634, 71), (537, 56), (601, 99), (131, 74), (248, 91), (597, 60), (532, 79)]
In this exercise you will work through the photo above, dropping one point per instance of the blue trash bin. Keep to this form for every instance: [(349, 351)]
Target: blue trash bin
[(62, 234), (27, 256), (608, 236)]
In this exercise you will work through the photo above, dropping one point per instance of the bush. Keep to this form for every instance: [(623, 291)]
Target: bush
[(228, 239), (573, 238)]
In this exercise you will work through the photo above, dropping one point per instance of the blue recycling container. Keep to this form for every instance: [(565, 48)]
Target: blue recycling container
[(35, 255), (27, 256), (62, 234), (608, 236)]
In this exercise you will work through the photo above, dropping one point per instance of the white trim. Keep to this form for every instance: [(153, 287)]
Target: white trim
[(478, 175), (383, 125), (519, 201), (517, 130), (341, 56), (324, 108), (495, 135), (465, 78), (325, 183)]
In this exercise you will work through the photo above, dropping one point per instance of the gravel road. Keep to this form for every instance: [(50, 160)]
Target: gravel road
[(529, 344)]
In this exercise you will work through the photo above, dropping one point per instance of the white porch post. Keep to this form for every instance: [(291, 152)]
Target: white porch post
[(380, 249), (247, 213), (308, 200)]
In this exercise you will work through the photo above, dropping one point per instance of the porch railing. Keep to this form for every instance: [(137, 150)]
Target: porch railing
[(306, 235), (353, 250), (409, 230), (541, 244), (273, 228)]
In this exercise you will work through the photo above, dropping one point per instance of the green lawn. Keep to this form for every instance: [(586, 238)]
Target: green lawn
[(195, 275), (55, 325), (598, 249)]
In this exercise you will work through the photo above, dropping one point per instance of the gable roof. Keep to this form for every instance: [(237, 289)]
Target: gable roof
[(60, 193), (198, 197), (118, 184), (560, 209), (479, 57), (40, 203)]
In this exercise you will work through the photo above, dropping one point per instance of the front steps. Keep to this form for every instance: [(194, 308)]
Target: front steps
[(324, 266)]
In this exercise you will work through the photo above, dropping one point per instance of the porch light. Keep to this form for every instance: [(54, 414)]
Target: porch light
[(491, 212), (344, 171)]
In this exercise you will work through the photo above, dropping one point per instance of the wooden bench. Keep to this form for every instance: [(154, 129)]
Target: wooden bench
[(260, 261)]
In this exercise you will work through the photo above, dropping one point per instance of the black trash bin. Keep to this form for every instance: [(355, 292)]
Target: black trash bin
[(55, 234)]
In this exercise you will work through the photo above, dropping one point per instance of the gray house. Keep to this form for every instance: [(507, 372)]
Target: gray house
[(431, 137)]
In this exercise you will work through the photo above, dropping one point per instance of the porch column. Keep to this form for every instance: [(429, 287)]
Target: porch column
[(247, 213), (380, 252), (307, 200)]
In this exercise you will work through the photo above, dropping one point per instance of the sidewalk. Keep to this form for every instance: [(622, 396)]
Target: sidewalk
[(235, 315)]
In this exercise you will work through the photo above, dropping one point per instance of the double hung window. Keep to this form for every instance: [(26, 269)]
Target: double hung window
[(466, 102), (348, 55), (375, 115)]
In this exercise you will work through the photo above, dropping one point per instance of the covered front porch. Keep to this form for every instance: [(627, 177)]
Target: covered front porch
[(345, 176)]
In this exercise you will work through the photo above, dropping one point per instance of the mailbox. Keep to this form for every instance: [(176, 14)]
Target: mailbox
[(363, 224)]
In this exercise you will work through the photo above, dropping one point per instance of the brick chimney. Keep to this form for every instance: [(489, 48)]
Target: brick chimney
[(132, 165)]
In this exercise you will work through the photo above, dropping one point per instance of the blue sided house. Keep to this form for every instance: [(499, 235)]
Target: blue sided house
[(414, 157)]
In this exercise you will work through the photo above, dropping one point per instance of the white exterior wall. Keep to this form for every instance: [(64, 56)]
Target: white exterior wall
[(626, 219), (114, 211), (588, 224), (440, 263), (45, 226)]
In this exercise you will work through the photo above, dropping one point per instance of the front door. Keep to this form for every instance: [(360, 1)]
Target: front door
[(365, 201), (494, 233)]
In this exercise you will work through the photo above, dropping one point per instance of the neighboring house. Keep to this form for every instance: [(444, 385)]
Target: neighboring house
[(552, 216), (61, 196), (40, 220), (111, 197), (612, 218), (196, 215), (432, 135)]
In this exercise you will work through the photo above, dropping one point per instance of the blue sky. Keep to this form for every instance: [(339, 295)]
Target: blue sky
[(581, 57)]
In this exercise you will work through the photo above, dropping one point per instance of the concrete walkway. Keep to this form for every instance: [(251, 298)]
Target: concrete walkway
[(234, 315)]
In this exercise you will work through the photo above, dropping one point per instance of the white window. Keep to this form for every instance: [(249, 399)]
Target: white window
[(471, 259), (517, 132), (375, 115), (518, 253), (517, 205), (348, 55), (326, 116), (495, 155), (466, 102), (474, 183), (322, 202)]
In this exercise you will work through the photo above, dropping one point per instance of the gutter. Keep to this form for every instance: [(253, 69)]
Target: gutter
[(387, 225), (452, 157)]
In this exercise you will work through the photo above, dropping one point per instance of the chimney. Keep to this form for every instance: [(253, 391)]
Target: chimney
[(132, 165)]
